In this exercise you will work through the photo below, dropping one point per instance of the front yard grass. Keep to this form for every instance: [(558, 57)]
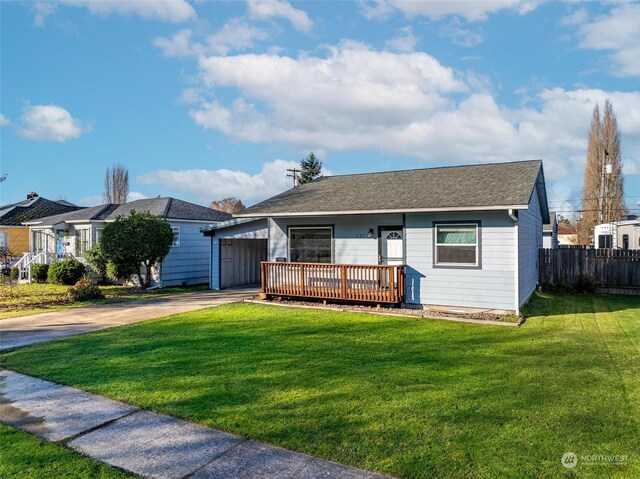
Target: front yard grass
[(23, 299), (413, 398), (25, 456)]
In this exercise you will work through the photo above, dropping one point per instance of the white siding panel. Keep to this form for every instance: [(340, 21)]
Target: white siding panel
[(529, 242), (490, 286)]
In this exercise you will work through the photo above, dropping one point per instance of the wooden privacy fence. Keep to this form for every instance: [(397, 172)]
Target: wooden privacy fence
[(607, 270), (344, 282)]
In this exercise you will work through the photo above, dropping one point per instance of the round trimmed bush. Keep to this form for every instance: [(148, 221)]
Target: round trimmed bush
[(39, 272), (68, 272), (84, 289)]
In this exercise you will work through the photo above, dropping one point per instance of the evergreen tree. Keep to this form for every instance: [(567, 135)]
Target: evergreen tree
[(310, 168), (598, 205)]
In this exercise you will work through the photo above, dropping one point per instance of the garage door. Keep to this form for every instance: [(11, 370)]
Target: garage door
[(240, 261)]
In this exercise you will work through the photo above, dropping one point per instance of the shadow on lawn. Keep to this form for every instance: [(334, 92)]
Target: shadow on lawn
[(559, 304)]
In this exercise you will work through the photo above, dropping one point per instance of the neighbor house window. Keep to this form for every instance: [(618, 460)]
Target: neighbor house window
[(605, 241), (82, 242), (457, 245), (310, 245), (98, 234), (176, 237)]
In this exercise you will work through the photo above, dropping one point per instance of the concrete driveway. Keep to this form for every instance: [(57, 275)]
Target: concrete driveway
[(16, 332)]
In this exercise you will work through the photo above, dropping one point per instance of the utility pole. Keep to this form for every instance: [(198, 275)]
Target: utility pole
[(293, 173)]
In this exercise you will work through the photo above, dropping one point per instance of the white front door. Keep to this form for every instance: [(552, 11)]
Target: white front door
[(391, 246)]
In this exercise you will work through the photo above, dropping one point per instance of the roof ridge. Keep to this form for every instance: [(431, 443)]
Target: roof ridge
[(165, 213), (538, 160)]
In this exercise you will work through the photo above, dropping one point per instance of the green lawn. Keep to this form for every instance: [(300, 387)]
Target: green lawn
[(22, 299), (25, 456), (413, 398)]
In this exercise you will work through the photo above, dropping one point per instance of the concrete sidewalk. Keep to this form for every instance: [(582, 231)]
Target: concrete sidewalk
[(148, 444), (16, 332)]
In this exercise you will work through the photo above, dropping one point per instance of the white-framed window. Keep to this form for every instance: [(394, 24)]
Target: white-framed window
[(311, 244), (457, 244), (39, 241), (83, 241), (99, 234), (176, 237)]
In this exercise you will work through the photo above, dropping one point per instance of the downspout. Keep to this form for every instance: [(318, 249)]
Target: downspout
[(512, 215)]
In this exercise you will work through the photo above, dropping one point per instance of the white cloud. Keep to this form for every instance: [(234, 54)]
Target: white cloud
[(209, 185), (51, 123), (266, 9), (404, 104), (465, 37), (164, 10), (93, 200), (41, 11), (96, 200), (404, 41), (179, 45), (471, 10), (4, 121), (235, 35), (617, 32)]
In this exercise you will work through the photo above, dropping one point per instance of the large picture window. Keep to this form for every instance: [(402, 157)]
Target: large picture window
[(457, 245), (310, 245)]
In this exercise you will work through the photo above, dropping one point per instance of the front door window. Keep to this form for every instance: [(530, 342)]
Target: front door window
[(391, 246)]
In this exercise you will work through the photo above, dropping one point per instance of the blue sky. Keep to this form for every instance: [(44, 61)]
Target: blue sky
[(202, 100)]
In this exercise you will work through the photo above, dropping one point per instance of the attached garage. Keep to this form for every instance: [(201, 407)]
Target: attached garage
[(237, 248), (240, 261)]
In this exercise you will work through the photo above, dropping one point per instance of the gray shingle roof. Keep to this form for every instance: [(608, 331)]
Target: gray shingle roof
[(552, 219), (169, 208), (31, 209), (456, 187)]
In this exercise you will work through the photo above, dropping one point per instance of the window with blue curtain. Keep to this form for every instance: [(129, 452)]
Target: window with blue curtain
[(457, 244)]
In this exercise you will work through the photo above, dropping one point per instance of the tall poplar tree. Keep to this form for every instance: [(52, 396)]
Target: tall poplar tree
[(602, 201)]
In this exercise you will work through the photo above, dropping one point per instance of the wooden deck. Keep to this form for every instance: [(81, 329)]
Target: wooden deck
[(341, 282)]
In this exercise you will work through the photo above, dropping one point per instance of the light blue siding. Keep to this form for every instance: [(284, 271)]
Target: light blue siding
[(214, 282), (492, 285), (188, 263), (351, 244), (529, 242)]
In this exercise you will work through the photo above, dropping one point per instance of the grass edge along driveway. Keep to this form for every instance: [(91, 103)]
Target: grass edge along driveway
[(408, 397), (25, 456), (25, 299)]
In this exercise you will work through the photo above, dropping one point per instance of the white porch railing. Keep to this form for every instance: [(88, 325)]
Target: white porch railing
[(30, 258)]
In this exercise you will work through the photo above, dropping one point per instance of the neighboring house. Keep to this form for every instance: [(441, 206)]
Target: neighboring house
[(13, 234), (567, 236), (468, 236), (550, 232), (72, 234), (618, 235)]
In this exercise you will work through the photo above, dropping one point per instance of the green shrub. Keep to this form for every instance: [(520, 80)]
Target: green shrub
[(68, 271), (39, 272), (120, 272), (84, 289), (96, 259), (14, 274)]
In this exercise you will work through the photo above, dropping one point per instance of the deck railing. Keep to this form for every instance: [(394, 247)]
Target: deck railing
[(344, 282)]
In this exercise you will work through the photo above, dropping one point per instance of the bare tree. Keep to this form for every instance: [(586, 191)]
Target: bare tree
[(116, 184), (229, 205), (602, 195)]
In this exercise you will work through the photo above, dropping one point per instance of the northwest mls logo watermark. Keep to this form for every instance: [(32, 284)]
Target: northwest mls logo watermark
[(571, 460)]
